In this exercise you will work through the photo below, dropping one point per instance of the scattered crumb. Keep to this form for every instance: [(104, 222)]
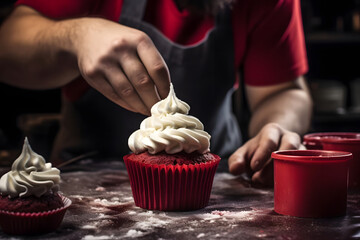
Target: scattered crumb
[(92, 237), (134, 233), (106, 203), (88, 227), (225, 216), (100, 189), (201, 235), (150, 223), (220, 213), (80, 197), (102, 216)]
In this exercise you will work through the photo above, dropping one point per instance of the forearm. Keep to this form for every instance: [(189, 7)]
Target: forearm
[(36, 52), (291, 109)]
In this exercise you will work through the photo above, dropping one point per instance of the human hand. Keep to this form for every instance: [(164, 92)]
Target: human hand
[(254, 157), (122, 63)]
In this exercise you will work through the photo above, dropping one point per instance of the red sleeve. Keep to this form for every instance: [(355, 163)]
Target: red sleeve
[(275, 49), (61, 9)]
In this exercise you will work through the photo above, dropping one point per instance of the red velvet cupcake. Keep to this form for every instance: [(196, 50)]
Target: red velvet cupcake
[(171, 167), (29, 202)]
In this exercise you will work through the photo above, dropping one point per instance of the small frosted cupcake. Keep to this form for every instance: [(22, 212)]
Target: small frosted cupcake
[(29, 201), (171, 167)]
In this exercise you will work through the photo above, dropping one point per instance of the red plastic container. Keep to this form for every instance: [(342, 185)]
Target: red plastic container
[(310, 183), (339, 141)]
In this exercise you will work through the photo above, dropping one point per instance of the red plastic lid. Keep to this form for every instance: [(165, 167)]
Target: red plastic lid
[(312, 156), (334, 137)]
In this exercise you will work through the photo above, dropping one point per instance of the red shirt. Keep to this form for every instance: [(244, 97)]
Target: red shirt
[(268, 34)]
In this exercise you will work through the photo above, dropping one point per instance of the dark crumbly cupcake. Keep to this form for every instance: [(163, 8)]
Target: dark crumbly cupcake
[(30, 202), (173, 159), (171, 167)]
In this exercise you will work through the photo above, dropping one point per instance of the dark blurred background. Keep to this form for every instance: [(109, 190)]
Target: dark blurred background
[(332, 32), (26, 112)]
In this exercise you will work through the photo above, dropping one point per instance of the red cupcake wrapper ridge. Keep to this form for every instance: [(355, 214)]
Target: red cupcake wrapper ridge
[(18, 223), (171, 187)]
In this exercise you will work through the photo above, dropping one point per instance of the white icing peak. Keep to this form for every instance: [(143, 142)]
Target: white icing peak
[(170, 105), (30, 175), (170, 129)]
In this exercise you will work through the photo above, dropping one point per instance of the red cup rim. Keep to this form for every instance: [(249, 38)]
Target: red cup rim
[(312, 156), (334, 137)]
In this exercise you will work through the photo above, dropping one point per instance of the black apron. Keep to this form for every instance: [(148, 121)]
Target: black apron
[(203, 75)]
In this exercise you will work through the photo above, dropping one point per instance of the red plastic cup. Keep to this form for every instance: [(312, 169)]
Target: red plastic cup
[(339, 141), (310, 183)]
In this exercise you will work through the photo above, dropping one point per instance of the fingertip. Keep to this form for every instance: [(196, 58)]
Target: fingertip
[(263, 177), (255, 165), (164, 91), (236, 167), (260, 158), (256, 177), (261, 180)]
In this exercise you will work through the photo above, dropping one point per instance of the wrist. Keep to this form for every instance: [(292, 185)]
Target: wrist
[(68, 35)]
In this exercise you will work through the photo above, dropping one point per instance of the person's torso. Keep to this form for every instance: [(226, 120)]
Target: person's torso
[(202, 74), (181, 27)]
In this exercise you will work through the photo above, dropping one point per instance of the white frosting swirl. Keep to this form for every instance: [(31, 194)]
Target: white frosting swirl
[(30, 175), (170, 129)]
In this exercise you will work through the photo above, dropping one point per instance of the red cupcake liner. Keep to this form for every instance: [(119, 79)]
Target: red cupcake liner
[(17, 223), (171, 187)]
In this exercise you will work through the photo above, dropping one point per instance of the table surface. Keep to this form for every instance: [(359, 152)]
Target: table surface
[(103, 208)]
